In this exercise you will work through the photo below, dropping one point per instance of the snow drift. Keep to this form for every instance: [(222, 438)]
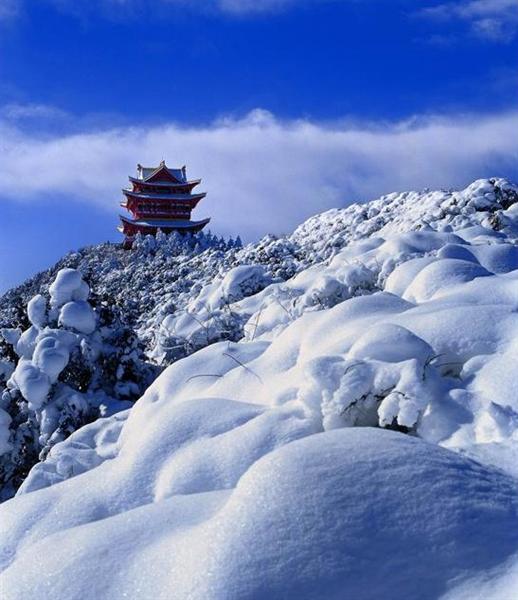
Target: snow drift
[(355, 436), (356, 513)]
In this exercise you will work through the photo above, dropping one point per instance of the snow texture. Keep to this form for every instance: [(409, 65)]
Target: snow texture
[(77, 315), (354, 513), (68, 286)]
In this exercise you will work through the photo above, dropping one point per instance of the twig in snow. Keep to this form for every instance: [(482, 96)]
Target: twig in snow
[(203, 375), (256, 324), (243, 365)]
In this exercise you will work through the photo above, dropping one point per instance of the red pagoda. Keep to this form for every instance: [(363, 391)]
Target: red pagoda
[(160, 198)]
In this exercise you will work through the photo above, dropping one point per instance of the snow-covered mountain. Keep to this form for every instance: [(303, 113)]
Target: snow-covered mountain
[(336, 416)]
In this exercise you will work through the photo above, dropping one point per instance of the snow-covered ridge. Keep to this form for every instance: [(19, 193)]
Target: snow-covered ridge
[(485, 202), (264, 465)]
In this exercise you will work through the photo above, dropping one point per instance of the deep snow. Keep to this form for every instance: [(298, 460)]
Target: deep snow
[(264, 466), (352, 513)]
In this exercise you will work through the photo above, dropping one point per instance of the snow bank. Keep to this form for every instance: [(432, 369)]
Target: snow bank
[(351, 513), (438, 276)]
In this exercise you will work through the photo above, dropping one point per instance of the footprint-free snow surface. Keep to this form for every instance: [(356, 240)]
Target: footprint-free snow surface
[(360, 442)]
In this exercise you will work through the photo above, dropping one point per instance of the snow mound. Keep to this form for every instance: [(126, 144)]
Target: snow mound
[(324, 517), (37, 311), (243, 281), (68, 286), (78, 315), (33, 383), (436, 277)]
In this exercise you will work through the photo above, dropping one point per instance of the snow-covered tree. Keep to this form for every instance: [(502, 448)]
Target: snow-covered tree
[(72, 364)]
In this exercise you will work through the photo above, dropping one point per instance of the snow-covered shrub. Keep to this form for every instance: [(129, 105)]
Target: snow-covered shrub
[(215, 314), (70, 366), (83, 450)]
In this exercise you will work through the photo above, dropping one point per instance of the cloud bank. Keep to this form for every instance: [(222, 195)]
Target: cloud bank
[(263, 174)]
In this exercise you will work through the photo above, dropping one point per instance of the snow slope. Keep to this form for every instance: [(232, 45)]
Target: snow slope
[(359, 441), (352, 513)]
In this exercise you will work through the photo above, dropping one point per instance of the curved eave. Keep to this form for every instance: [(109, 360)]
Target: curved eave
[(193, 182), (165, 223)]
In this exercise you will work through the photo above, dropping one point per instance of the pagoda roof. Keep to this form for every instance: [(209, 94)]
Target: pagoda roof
[(187, 182), (142, 196), (165, 223), (146, 173)]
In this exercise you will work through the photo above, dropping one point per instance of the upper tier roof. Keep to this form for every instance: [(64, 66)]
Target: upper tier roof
[(170, 184), (147, 173)]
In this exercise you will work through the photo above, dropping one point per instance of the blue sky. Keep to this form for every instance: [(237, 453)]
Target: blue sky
[(284, 108)]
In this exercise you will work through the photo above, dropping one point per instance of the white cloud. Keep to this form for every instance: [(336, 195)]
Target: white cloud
[(22, 112), (257, 6), (263, 174), (494, 20)]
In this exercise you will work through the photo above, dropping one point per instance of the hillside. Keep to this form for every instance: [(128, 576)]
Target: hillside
[(330, 411)]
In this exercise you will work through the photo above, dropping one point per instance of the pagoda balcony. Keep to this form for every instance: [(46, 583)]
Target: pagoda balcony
[(159, 215), (177, 197), (155, 210), (162, 205)]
